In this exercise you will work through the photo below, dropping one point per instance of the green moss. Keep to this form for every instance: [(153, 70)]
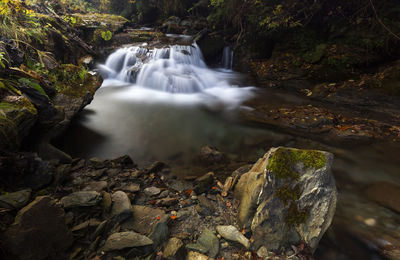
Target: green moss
[(281, 165), (14, 119), (287, 194), (294, 216), (283, 161), (73, 81)]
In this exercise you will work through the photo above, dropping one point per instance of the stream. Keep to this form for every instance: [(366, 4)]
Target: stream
[(165, 104)]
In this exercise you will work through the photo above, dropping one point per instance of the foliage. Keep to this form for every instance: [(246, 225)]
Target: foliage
[(3, 60), (106, 35)]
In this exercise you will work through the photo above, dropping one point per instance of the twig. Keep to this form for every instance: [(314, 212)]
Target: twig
[(380, 21)]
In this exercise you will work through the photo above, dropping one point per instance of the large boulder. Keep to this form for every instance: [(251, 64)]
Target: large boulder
[(38, 232), (288, 196)]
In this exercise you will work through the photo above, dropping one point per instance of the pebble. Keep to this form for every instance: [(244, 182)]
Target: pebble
[(129, 239), (231, 233), (81, 199), (15, 200), (121, 207), (152, 191)]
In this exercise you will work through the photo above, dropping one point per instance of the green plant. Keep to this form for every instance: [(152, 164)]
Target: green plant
[(3, 60), (82, 74), (33, 84), (106, 35)]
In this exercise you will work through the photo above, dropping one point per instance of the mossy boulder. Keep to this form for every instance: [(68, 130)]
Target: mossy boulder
[(288, 196), (74, 81), (17, 116)]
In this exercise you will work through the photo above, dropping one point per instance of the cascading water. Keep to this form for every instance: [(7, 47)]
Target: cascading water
[(176, 69), (151, 106), (227, 58)]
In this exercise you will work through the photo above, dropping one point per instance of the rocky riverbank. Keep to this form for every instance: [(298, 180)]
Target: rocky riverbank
[(95, 209)]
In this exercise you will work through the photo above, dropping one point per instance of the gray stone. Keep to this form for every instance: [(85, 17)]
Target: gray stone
[(166, 202), (81, 199), (129, 239), (210, 154), (163, 194), (204, 183), (96, 186), (159, 233), (172, 249), (288, 196), (152, 191), (179, 185), (38, 232), (206, 203), (143, 220), (207, 243), (231, 233), (133, 187), (121, 207), (15, 200)]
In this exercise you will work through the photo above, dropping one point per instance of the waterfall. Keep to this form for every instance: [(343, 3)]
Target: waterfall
[(173, 69), (227, 58), (172, 74)]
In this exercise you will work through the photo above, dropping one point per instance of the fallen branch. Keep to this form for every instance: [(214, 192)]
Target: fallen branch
[(381, 23)]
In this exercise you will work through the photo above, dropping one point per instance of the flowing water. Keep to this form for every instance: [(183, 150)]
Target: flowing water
[(165, 104)]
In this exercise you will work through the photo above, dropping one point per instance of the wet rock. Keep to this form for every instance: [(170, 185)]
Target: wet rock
[(163, 194), (81, 199), (193, 255), (96, 174), (231, 181), (386, 194), (179, 185), (206, 203), (106, 202), (124, 162), (207, 243), (143, 220), (152, 191), (15, 200), (210, 154), (129, 239), (288, 196), (121, 207), (134, 187), (167, 202), (174, 249), (38, 232), (86, 224), (155, 167), (204, 183), (231, 233), (96, 186), (186, 203), (159, 233), (97, 163)]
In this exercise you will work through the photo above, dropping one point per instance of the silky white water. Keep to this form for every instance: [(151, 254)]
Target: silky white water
[(174, 74)]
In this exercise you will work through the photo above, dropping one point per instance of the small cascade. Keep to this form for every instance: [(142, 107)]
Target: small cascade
[(124, 64), (172, 69), (227, 58)]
